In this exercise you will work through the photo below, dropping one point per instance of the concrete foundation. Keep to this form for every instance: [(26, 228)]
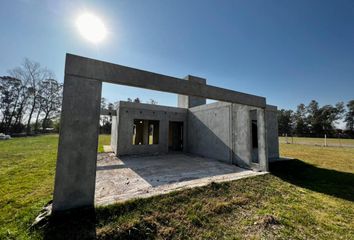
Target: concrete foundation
[(124, 178)]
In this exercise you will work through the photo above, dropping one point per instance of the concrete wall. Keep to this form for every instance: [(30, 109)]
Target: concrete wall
[(218, 130), (209, 132), (129, 111), (272, 133), (242, 136)]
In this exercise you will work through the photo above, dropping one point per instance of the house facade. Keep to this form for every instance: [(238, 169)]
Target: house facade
[(233, 133)]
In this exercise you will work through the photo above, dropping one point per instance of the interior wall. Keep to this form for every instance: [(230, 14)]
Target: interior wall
[(209, 132)]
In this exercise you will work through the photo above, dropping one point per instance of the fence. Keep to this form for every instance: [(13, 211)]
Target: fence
[(325, 142)]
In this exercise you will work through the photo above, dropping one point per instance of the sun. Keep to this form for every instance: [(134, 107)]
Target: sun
[(91, 27)]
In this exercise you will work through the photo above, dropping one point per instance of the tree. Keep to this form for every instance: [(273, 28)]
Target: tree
[(13, 96), (313, 113), (106, 121), (50, 99), (328, 117), (300, 121), (322, 120), (137, 100), (349, 116), (285, 121), (31, 74)]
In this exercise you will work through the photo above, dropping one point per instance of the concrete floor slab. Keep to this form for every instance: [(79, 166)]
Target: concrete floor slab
[(121, 179)]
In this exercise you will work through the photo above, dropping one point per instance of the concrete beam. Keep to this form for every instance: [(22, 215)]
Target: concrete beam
[(87, 68), (108, 112)]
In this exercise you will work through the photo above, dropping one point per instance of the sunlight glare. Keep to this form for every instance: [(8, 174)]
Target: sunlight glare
[(91, 27)]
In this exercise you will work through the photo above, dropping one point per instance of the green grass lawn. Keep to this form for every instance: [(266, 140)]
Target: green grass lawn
[(318, 141), (308, 198), (27, 167)]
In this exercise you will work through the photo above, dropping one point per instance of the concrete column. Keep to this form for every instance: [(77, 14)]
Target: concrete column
[(184, 101), (262, 140), (145, 132), (114, 135), (78, 140)]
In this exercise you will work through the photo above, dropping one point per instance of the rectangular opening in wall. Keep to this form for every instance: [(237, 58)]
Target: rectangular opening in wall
[(145, 132), (254, 134), (175, 136), (153, 132)]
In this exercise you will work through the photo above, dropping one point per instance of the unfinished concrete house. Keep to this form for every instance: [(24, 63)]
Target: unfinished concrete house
[(220, 141), (233, 133)]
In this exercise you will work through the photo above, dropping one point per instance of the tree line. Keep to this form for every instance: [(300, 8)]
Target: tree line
[(314, 121), (30, 99)]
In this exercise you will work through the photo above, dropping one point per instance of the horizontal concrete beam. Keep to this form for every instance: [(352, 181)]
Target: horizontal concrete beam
[(108, 112), (107, 72), (271, 108)]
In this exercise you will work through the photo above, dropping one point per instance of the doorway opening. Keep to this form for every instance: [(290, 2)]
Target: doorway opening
[(175, 136), (254, 136)]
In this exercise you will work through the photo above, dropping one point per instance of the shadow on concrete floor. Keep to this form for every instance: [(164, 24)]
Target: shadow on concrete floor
[(330, 182), (172, 168)]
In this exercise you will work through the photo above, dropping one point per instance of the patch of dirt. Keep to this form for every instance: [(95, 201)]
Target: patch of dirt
[(266, 221), (265, 226)]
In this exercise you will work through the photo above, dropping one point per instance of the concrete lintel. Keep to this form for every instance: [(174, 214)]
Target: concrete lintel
[(151, 107), (107, 72), (108, 112)]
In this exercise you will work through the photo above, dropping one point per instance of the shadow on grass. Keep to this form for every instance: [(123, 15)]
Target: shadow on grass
[(76, 224), (82, 224), (331, 182)]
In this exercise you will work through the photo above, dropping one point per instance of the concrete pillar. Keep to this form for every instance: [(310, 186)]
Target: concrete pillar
[(184, 101), (262, 140), (78, 140), (145, 132)]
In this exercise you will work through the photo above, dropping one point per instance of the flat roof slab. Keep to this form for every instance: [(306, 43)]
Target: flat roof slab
[(124, 178)]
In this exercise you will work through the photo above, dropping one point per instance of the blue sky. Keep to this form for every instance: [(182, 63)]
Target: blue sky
[(288, 51)]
